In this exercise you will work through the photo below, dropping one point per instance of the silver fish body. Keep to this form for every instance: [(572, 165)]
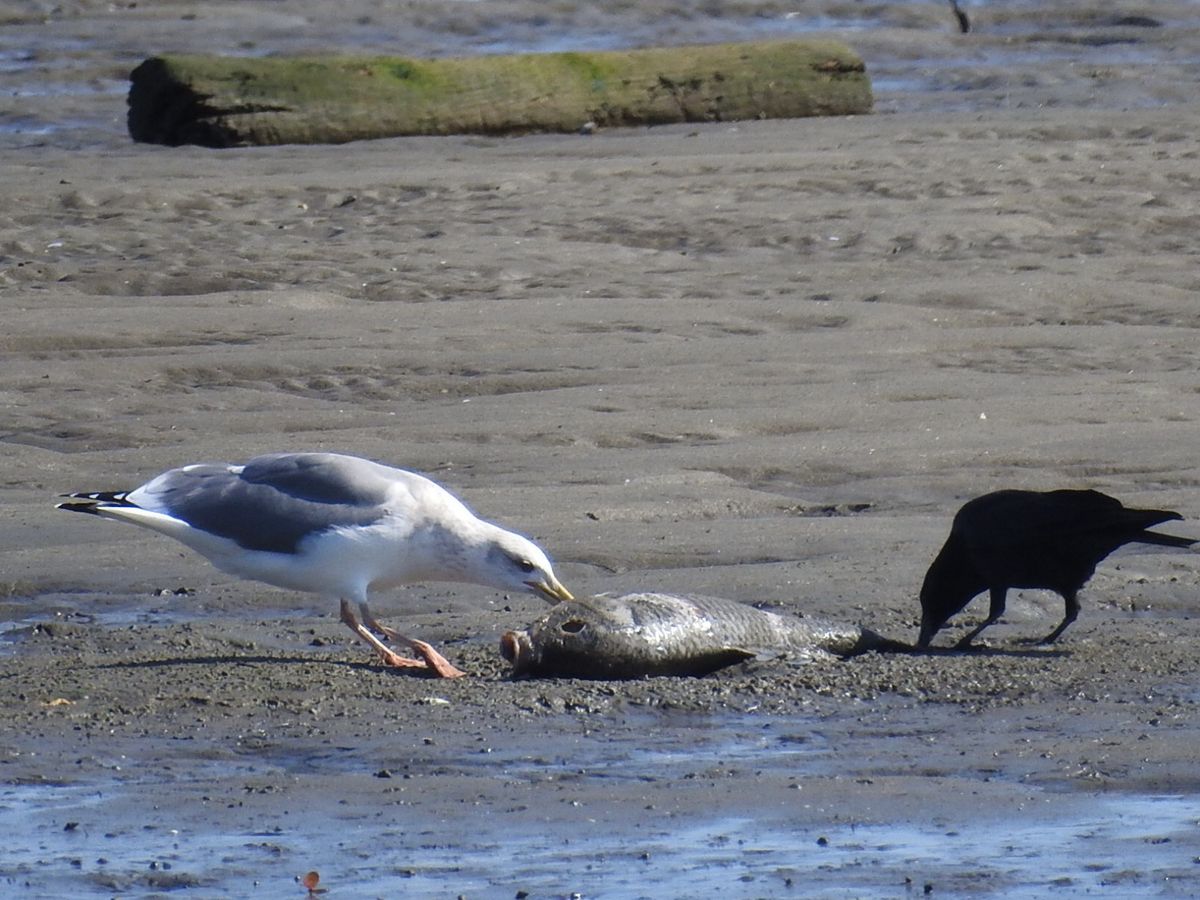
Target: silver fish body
[(668, 634)]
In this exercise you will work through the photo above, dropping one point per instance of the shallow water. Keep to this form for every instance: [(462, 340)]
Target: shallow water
[(102, 609), (541, 825)]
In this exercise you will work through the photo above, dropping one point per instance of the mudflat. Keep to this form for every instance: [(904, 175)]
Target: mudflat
[(759, 360)]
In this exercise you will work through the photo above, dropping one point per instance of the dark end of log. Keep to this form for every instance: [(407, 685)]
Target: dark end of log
[(164, 110)]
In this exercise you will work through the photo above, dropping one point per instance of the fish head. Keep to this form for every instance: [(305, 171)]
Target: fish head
[(573, 639), (517, 648), (630, 636)]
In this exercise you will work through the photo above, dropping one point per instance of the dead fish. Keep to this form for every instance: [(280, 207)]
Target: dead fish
[(667, 634)]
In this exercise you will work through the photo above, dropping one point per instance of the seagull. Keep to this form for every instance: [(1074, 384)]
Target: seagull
[(333, 525)]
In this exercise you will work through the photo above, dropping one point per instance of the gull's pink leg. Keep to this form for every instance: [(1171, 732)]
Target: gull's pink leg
[(442, 666), (378, 627), (388, 655), (431, 659)]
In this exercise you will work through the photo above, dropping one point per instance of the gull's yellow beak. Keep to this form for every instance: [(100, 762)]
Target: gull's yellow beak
[(550, 589)]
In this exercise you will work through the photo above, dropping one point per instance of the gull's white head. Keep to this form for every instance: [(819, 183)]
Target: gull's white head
[(515, 563)]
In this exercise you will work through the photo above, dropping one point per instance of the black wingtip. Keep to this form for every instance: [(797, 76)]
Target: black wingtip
[(102, 496), (89, 506)]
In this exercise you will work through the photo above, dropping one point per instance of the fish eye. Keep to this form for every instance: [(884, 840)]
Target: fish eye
[(573, 626)]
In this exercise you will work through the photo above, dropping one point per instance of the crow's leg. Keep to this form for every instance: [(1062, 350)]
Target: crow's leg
[(1069, 616), (995, 611)]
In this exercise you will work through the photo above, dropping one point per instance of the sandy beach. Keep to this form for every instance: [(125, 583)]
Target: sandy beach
[(759, 360)]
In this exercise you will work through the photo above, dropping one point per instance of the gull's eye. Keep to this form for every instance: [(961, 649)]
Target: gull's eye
[(524, 565)]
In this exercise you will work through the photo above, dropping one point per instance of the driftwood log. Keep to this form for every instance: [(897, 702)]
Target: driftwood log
[(221, 101)]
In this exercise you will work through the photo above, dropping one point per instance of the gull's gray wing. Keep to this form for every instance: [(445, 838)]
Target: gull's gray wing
[(273, 502)]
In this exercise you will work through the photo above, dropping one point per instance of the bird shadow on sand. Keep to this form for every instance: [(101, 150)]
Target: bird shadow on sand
[(1032, 651), (229, 660)]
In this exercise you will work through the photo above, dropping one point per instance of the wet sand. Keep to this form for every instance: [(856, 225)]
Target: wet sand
[(764, 360)]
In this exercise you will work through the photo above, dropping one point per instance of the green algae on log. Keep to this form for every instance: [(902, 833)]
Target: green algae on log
[(219, 101)]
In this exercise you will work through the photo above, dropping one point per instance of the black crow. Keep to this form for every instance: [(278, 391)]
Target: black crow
[(1030, 539)]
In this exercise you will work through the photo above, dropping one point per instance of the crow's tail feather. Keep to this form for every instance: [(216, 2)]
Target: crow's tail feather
[(1164, 540)]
